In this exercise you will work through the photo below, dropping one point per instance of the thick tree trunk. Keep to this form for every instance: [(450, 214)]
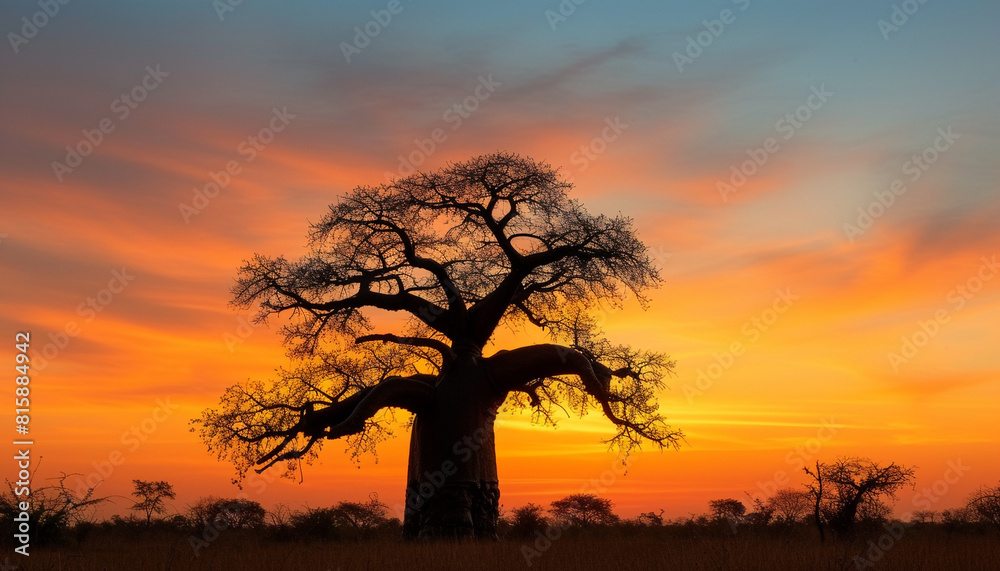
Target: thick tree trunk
[(452, 486)]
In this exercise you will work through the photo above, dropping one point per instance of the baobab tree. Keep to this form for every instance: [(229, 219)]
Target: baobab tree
[(461, 252)]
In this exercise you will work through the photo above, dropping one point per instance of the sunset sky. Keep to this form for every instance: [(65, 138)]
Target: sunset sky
[(652, 111)]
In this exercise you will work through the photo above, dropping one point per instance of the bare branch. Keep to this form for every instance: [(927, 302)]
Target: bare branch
[(632, 411), (440, 346)]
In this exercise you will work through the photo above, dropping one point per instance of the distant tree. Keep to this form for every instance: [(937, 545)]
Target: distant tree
[(956, 518), (361, 517), (762, 513), (346, 519), (984, 504), (852, 488), (151, 497), (789, 505), (699, 520), (238, 513), (727, 509), (318, 523), (178, 522), (279, 517), (924, 516), (129, 522), (52, 509), (650, 519), (816, 493), (584, 510), (525, 520)]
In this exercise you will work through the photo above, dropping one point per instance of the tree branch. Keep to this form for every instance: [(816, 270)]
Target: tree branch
[(347, 417), (453, 294), (519, 370), (440, 346)]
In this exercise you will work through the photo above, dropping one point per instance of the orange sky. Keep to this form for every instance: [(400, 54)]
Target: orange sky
[(822, 361)]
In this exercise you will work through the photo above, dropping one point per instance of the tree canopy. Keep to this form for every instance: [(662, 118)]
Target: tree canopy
[(151, 497), (852, 488), (584, 510), (492, 242)]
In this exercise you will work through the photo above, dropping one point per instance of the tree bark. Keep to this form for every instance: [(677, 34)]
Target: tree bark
[(452, 485)]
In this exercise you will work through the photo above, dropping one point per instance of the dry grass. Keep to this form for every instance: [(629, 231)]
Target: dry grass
[(929, 550)]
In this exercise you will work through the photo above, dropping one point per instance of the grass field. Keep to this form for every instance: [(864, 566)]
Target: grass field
[(918, 549)]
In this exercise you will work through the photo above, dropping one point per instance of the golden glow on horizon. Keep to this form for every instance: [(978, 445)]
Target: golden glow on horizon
[(164, 335)]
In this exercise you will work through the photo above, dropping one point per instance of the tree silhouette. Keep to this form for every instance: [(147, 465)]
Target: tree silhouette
[(650, 519), (527, 519), (151, 496), (984, 503), (347, 519), (223, 513), (584, 510), (52, 509), (816, 494), (851, 487), (789, 505), (362, 517), (731, 511), (494, 241), (728, 509), (954, 519)]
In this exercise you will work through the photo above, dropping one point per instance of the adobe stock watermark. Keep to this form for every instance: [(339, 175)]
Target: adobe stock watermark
[(223, 520), (130, 440), (698, 43), (786, 127), (454, 116), (88, 310), (563, 11), (223, 7), (797, 459), (659, 256), (365, 33), (213, 529), (957, 298), (601, 313), (900, 15), (923, 500), (244, 330), (248, 149), (462, 450), (554, 531), (122, 108), (916, 166), (752, 329), (582, 157), (33, 24)]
